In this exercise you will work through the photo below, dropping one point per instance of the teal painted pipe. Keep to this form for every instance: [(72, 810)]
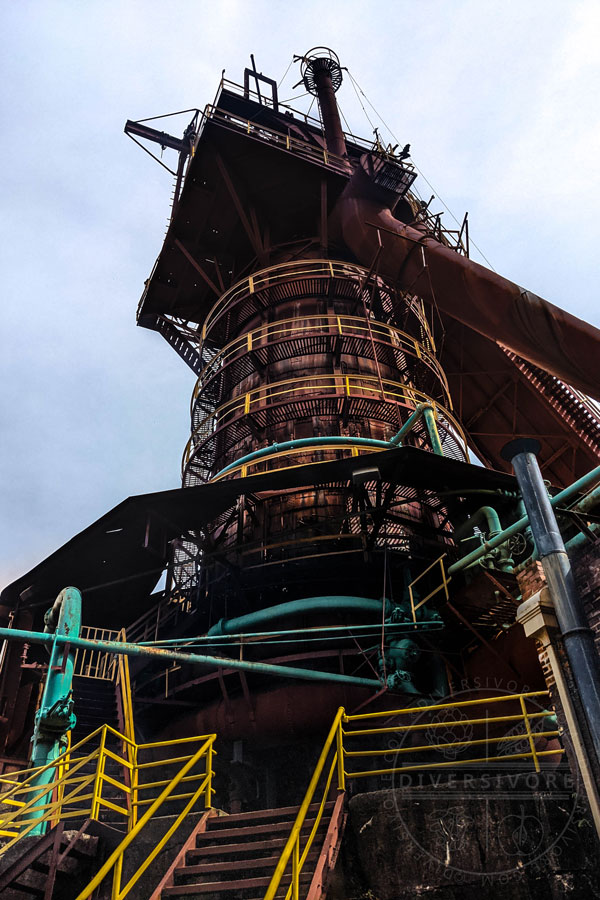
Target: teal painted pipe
[(55, 716), (294, 607), (410, 422), (157, 653), (488, 513), (432, 430), (585, 505), (422, 409), (589, 502), (391, 628), (337, 440), (580, 485)]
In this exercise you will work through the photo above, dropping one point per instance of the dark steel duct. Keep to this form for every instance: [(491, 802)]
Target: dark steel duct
[(495, 307), (491, 305)]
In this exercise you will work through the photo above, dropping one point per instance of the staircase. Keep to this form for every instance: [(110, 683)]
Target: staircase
[(233, 857), (95, 705)]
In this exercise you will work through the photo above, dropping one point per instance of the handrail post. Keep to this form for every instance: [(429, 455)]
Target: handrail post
[(209, 772), (97, 790), (296, 869), (116, 884), (529, 733), (340, 752), (134, 788)]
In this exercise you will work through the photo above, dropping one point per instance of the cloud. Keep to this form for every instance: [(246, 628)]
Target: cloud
[(498, 101)]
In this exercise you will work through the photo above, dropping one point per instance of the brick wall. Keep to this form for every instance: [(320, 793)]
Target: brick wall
[(586, 568)]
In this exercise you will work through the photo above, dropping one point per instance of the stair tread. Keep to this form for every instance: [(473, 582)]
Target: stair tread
[(29, 889), (229, 865), (266, 813), (244, 830), (232, 865), (217, 849), (214, 887)]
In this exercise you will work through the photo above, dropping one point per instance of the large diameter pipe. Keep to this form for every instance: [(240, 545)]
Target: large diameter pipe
[(217, 662), (293, 608), (578, 637), (303, 443), (495, 307)]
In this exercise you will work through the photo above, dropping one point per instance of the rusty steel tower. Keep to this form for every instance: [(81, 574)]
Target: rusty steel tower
[(329, 317), (348, 555)]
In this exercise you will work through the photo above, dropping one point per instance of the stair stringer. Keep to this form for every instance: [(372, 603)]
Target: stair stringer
[(168, 879), (331, 848)]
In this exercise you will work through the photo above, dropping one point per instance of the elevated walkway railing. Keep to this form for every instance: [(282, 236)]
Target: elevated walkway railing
[(282, 141), (102, 666), (307, 271), (467, 733)]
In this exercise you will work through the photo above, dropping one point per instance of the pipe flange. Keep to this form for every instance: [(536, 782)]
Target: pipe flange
[(320, 59)]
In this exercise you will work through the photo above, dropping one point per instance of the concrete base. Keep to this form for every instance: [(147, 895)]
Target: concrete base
[(522, 837)]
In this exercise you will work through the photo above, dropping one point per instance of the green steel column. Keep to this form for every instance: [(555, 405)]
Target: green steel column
[(55, 716)]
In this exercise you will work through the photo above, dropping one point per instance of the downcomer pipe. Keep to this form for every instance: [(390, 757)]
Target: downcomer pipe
[(491, 305), (577, 635)]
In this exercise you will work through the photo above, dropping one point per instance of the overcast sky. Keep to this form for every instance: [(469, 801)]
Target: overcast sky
[(499, 101)]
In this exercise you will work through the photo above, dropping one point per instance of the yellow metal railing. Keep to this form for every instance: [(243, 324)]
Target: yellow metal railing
[(78, 786), (426, 730), (96, 663), (449, 719), (170, 791), (291, 389), (280, 139), (82, 788), (442, 586), (333, 450), (298, 270), (339, 326), (329, 770)]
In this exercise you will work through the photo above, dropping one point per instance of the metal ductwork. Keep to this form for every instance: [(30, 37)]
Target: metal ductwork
[(491, 305)]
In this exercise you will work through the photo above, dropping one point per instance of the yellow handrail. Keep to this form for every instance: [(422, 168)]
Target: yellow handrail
[(340, 735), (270, 135), (339, 326), (298, 269), (353, 449), (124, 688), (115, 860), (292, 846), (355, 385), (79, 793), (446, 579)]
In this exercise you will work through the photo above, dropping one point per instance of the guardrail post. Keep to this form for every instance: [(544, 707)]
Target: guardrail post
[(340, 752), (134, 788), (116, 884), (209, 772), (296, 869), (97, 791), (529, 734)]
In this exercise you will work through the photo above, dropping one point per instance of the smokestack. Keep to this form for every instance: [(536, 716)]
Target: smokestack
[(322, 77)]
